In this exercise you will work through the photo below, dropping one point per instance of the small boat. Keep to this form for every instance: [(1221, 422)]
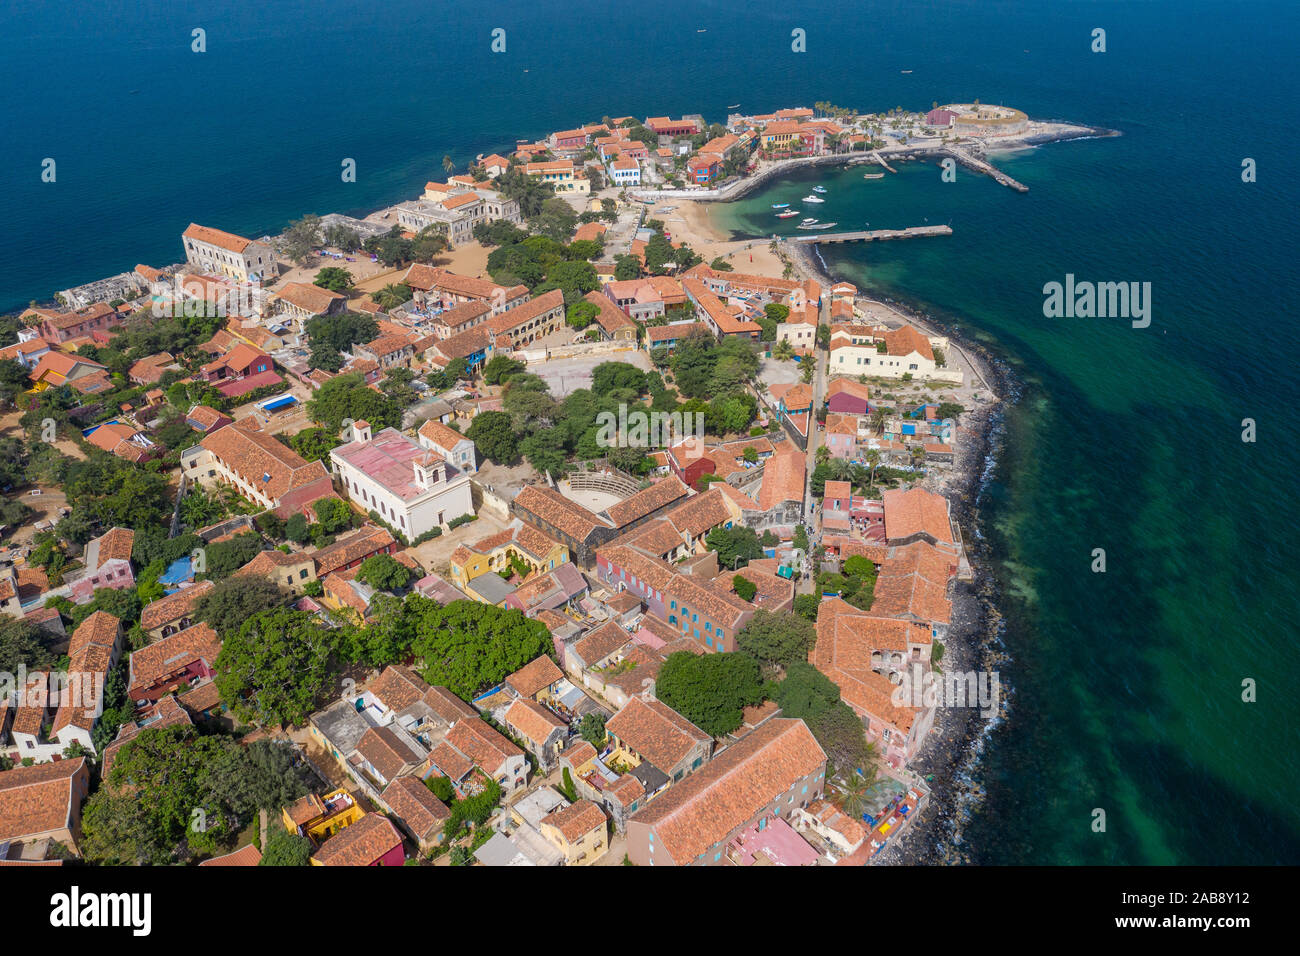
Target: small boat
[(818, 225), (780, 205), (734, 106), (810, 219), (904, 71), (819, 189), (873, 175), (813, 199), (787, 214), (700, 31)]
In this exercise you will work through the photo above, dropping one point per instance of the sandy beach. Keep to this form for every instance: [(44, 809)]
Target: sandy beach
[(691, 222)]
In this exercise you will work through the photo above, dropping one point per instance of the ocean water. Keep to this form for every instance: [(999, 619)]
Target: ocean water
[(1127, 683)]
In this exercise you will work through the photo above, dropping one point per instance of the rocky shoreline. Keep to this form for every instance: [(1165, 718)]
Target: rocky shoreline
[(952, 751)]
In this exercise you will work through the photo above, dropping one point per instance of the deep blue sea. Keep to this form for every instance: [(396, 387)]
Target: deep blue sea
[(1128, 684)]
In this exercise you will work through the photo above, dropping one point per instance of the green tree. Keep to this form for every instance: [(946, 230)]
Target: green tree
[(301, 239), (334, 278), (555, 219), (276, 667), (581, 314), (334, 514), (592, 729), (347, 396), (745, 589), (493, 434), (285, 849), (384, 572), (710, 690), (22, 645), (185, 814), (778, 638), (467, 647), (501, 368), (805, 605), (236, 599), (392, 295), (296, 529), (736, 546)]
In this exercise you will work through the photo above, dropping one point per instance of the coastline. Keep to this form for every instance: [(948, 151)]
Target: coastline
[(953, 749)]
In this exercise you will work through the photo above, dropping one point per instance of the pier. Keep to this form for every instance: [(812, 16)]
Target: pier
[(874, 235), (880, 160), (971, 161)]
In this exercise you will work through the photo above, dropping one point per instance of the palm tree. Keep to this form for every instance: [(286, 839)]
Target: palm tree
[(852, 795), (392, 295), (447, 164), (873, 459)]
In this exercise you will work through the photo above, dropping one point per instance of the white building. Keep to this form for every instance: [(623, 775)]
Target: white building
[(886, 353), (625, 171), (215, 251), (454, 447), (413, 488)]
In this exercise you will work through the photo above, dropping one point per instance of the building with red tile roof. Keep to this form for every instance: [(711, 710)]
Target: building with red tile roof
[(40, 805), (764, 775), (305, 300), (213, 250), (162, 667), (579, 830), (868, 656), (652, 731), (417, 811), (371, 841), (918, 515), (542, 732), (247, 855), (258, 466)]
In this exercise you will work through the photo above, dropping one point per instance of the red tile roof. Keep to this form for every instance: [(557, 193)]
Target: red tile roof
[(361, 844), (711, 805)]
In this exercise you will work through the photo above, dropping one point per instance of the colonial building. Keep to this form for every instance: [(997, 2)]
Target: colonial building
[(412, 488), (215, 251)]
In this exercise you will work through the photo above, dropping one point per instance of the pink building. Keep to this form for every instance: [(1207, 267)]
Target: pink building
[(108, 565)]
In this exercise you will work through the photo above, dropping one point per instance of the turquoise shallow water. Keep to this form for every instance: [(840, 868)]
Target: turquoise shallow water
[(1127, 684)]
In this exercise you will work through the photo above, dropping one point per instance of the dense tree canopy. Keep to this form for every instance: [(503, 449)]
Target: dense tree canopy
[(779, 638), (201, 790), (468, 647), (276, 667), (234, 600), (710, 690), (346, 396)]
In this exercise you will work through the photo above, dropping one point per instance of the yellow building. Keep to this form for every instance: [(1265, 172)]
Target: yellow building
[(579, 830), (561, 175), (517, 547), (318, 818)]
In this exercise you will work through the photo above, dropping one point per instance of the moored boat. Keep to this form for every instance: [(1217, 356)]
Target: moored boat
[(780, 205), (812, 199), (817, 225)]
